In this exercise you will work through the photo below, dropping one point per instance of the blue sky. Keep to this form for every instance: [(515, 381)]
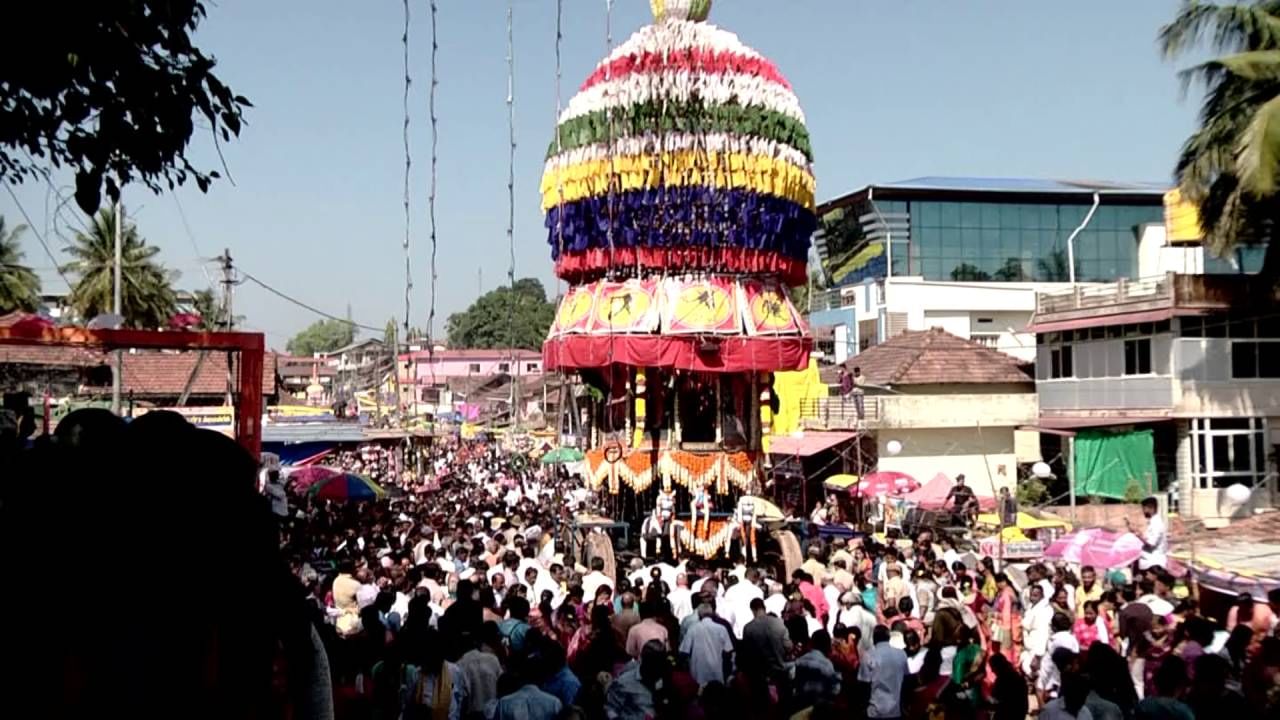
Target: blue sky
[(892, 89)]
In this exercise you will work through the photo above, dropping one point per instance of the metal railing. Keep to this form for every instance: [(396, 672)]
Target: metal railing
[(1083, 297), (838, 412)]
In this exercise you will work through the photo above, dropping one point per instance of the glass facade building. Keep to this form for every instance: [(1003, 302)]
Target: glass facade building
[(992, 236)]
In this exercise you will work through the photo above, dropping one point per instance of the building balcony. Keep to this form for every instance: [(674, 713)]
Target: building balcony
[(1171, 294), (883, 412)]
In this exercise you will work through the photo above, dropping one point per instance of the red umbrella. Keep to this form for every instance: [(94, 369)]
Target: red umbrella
[(887, 482), (304, 477)]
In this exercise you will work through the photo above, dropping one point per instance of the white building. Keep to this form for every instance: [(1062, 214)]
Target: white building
[(969, 255)]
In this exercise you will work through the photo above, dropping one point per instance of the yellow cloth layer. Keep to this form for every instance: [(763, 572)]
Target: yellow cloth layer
[(725, 171)]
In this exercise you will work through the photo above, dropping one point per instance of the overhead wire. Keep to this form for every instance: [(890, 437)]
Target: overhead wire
[(306, 306), (39, 236)]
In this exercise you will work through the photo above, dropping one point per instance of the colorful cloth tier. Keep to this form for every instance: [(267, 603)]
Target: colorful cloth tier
[(685, 151), (716, 323)]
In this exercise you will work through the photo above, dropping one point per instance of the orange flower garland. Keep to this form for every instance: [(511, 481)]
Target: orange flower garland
[(688, 469)]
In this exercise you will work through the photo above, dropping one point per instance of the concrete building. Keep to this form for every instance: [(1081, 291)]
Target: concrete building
[(1184, 369), (969, 255), (955, 405)]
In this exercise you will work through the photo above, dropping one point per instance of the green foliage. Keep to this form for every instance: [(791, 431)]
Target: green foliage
[(1031, 491), (213, 316), (1133, 492), (148, 300), (110, 89), (390, 334), (516, 317), (1229, 167), (19, 285), (321, 336)]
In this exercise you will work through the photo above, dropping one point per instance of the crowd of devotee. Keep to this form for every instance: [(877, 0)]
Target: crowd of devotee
[(165, 584)]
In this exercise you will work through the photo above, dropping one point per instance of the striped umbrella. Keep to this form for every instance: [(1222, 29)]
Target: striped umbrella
[(347, 486)]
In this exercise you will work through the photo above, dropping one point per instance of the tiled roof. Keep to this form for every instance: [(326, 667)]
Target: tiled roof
[(934, 356), (145, 373)]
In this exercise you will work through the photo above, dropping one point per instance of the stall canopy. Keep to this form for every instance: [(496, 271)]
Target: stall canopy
[(807, 443), (933, 494)]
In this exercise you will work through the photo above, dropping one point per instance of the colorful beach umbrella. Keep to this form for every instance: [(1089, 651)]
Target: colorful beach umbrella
[(887, 482), (1097, 547), (304, 477), (347, 486)]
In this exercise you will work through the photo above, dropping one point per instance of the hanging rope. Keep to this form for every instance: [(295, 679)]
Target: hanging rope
[(430, 197), (431, 194), (608, 76), (408, 163), (511, 208), (559, 207)]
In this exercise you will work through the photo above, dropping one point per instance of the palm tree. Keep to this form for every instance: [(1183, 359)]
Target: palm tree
[(19, 286), (1230, 166), (148, 299)]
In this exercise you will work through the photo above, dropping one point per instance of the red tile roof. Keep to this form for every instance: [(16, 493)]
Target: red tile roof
[(934, 357), (145, 373)]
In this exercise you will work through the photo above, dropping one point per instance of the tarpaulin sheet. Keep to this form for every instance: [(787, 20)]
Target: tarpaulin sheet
[(1106, 463)]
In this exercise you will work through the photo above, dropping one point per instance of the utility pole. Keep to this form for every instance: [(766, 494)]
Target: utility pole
[(227, 322), (117, 305), (228, 283)]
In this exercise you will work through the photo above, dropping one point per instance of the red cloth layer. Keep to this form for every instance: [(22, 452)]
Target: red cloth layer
[(736, 354), (698, 60), (576, 266)]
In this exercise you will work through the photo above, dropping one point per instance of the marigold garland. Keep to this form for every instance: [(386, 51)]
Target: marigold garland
[(718, 470)]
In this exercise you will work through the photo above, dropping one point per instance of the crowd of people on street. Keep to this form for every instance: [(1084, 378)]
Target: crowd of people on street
[(461, 602)]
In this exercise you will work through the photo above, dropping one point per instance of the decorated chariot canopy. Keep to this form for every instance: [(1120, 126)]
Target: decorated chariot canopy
[(679, 200), (685, 151)]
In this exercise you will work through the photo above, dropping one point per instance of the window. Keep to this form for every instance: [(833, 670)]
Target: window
[(473, 368), (1137, 356), (504, 367), (1060, 362), (531, 367), (1251, 359), (1228, 451)]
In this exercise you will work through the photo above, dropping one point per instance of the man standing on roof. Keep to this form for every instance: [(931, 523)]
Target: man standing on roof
[(859, 403)]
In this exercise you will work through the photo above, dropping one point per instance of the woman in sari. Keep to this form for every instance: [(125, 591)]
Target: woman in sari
[(1006, 621)]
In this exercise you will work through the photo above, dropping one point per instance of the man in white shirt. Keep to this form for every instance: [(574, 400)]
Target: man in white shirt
[(852, 614), (885, 667), (1062, 639), (1037, 628), (592, 581), (681, 598), (1155, 539), (739, 596), (706, 643)]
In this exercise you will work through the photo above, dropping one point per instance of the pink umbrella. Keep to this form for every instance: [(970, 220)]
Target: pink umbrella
[(1097, 547), (885, 483), (303, 478)]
